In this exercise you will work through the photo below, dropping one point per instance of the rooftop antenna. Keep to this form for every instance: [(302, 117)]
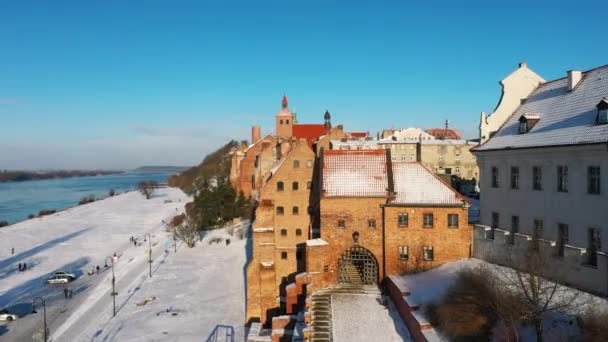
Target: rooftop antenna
[(446, 123)]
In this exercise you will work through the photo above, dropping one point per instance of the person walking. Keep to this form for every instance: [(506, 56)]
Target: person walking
[(24, 266), (20, 267), (70, 291), (65, 292), (97, 268), (13, 251)]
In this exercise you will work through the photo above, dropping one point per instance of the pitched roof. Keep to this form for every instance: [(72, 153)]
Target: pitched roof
[(566, 117), (358, 134), (414, 184), (310, 132), (444, 133), (354, 173)]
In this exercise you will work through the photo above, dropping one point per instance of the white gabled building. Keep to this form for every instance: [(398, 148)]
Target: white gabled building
[(544, 176)]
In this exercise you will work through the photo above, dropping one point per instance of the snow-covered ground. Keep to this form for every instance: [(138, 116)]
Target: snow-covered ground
[(360, 317), (431, 286), (196, 294), (76, 240)]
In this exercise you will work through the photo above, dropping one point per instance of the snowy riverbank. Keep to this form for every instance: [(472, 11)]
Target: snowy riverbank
[(76, 240)]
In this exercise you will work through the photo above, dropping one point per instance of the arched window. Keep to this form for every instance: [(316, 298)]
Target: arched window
[(287, 122), (281, 121), (280, 211), (298, 232), (283, 232), (280, 186), (296, 164), (295, 211), (295, 186)]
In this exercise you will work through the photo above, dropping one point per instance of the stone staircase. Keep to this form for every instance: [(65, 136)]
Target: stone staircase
[(318, 325)]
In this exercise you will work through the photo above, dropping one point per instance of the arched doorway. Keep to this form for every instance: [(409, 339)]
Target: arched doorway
[(358, 266)]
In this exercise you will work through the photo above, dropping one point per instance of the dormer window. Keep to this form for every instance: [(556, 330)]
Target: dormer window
[(602, 112), (526, 122)]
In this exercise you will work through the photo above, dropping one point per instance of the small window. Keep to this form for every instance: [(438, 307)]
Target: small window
[(523, 127), (309, 185), (453, 220), (537, 178), (309, 163), (457, 169), (295, 186), (593, 180), (403, 253), (295, 211), (298, 232), (284, 255), (371, 223), (514, 177), (280, 186), (428, 220), (427, 253), (602, 117), (562, 178), (287, 122), (341, 224), (281, 121), (283, 232), (495, 182), (296, 164), (280, 211), (403, 157), (403, 220)]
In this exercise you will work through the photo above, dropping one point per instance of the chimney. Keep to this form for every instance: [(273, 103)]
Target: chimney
[(256, 133), (574, 77), (523, 64)]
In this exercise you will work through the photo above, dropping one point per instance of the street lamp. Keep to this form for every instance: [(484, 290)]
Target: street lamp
[(149, 251), (175, 242), (114, 293), (41, 300)]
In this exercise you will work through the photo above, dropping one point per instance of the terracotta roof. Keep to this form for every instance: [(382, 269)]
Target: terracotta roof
[(414, 184), (355, 173), (566, 117), (358, 134), (442, 133), (310, 132)]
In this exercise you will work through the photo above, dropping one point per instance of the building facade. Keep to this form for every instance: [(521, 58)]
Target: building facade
[(543, 177)]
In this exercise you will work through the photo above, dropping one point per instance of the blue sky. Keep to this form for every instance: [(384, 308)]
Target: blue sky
[(118, 84)]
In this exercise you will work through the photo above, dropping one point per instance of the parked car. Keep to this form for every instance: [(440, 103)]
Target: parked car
[(59, 279), (7, 316), (65, 274)]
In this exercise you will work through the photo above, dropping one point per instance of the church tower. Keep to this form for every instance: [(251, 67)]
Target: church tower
[(327, 118), (284, 121)]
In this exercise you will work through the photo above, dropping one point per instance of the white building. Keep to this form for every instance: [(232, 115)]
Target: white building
[(544, 176)]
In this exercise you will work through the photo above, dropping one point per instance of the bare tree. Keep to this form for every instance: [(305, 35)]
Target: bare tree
[(183, 229), (147, 188)]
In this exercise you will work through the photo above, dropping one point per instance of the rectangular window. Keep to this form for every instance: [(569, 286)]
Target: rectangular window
[(371, 223), (537, 234), (495, 183), (427, 253), (594, 246), (537, 178), (514, 177), (562, 239), (296, 164), (562, 178), (341, 224), (403, 157), (403, 253), (514, 229), (284, 255), (309, 185), (428, 220), (593, 180), (453, 220), (403, 220)]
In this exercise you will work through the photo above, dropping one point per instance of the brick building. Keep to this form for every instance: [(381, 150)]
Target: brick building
[(280, 230)]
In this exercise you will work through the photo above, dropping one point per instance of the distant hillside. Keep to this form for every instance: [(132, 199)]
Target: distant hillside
[(161, 169), (215, 165), (21, 176)]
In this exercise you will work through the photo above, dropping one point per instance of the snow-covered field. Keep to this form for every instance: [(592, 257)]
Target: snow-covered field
[(196, 294), (359, 317), (76, 240)]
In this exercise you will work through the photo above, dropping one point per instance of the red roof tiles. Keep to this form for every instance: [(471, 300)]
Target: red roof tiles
[(442, 133), (310, 132)]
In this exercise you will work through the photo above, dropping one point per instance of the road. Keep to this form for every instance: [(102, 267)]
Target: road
[(91, 304)]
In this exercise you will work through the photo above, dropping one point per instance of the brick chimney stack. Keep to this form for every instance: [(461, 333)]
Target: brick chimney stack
[(256, 134)]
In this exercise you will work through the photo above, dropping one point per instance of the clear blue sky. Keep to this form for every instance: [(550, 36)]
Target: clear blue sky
[(118, 84)]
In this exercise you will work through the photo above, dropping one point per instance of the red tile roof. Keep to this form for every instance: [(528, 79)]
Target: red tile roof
[(442, 133), (358, 134), (310, 132), (354, 173)]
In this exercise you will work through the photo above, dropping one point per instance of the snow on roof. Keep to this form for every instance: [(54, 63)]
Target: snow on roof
[(567, 117), (354, 143), (414, 184), (354, 173), (263, 230), (316, 242)]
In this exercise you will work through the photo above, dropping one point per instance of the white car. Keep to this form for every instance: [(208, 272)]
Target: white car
[(6, 316), (59, 279), (64, 274)]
